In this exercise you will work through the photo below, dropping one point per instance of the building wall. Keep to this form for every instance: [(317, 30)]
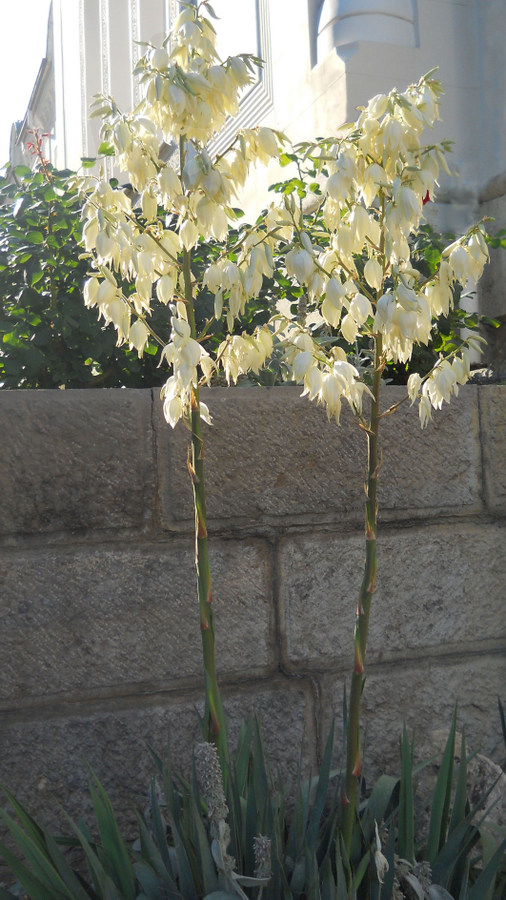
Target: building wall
[(100, 633)]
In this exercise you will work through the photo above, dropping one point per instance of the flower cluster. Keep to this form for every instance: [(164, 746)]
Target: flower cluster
[(352, 265), (355, 264), (144, 238)]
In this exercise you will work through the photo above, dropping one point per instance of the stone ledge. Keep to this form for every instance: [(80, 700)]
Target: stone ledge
[(432, 587), (493, 431), (98, 618), (75, 460), (271, 455)]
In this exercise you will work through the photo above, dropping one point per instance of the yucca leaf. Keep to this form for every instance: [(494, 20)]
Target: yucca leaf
[(149, 881), (115, 849), (185, 876), (388, 884), (321, 794), (48, 846), (242, 755), (485, 880), (260, 776), (6, 895), (298, 878), (441, 797), (156, 758), (361, 869), (378, 804), (459, 844), (460, 800), (150, 852), (465, 879), (65, 870), (105, 886), (37, 858), (328, 884), (312, 877), (35, 888), (160, 830), (406, 839), (490, 843), (31, 827), (342, 888), (252, 828), (206, 865)]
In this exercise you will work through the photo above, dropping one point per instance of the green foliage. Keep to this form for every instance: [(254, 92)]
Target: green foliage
[(177, 854), (48, 338)]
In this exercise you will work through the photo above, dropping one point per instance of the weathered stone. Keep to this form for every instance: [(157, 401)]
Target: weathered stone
[(493, 436), (271, 454), (75, 460), (98, 619), (43, 760), (423, 694), (434, 585)]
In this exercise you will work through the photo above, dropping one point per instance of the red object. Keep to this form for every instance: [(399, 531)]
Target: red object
[(426, 199)]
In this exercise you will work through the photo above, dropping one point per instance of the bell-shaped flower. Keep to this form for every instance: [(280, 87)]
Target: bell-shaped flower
[(312, 382), (413, 386), (90, 292), (458, 260), (169, 184), (299, 264), (373, 273), (188, 234), (301, 365), (360, 309), (349, 328), (165, 287), (138, 337)]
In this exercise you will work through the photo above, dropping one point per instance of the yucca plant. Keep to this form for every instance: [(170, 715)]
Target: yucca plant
[(239, 835)]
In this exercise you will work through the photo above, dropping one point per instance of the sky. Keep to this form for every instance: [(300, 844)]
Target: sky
[(23, 30)]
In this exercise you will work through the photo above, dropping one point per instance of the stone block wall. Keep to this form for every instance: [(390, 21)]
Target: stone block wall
[(99, 622)]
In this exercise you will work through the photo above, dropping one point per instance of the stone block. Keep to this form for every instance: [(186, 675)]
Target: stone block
[(101, 619), (271, 455), (423, 693), (43, 757), (433, 586), (491, 287), (493, 438), (75, 460)]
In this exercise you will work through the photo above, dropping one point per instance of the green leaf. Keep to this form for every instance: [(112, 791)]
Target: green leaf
[(485, 880), (113, 843), (37, 858), (87, 162), (22, 171), (35, 237), (406, 812), (105, 149), (321, 794), (441, 797)]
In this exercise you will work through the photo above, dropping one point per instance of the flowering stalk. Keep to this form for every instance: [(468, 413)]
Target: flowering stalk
[(353, 757), (187, 94), (354, 263), (214, 717)]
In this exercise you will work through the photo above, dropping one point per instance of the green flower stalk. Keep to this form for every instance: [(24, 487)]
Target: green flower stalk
[(353, 755), (214, 716)]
